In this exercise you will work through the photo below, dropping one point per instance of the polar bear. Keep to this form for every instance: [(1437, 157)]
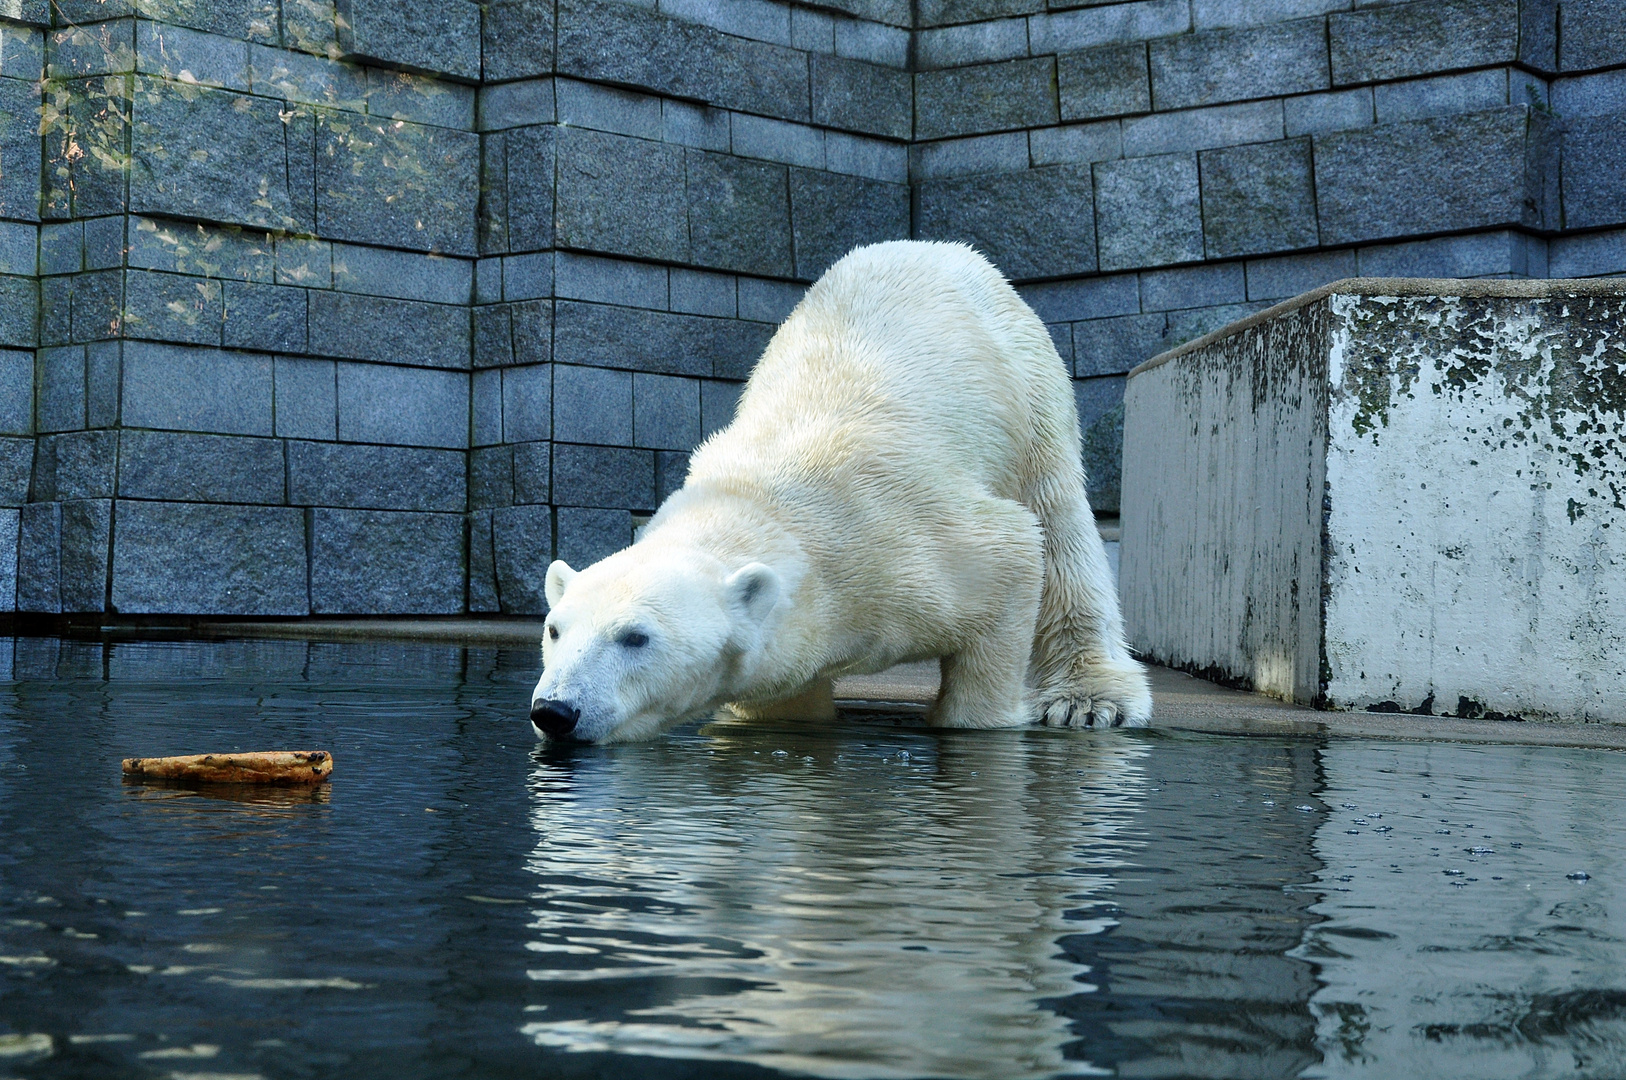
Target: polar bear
[(902, 481)]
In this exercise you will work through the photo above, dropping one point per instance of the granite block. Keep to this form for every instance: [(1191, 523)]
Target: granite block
[(220, 252), (1460, 172), (20, 150), (1089, 298), (666, 343), (533, 472), (1006, 152), (1594, 150), (169, 307), (403, 275), (621, 196), (972, 43), (1290, 275), (518, 39), (1209, 14), (389, 331), (420, 99), (61, 402), (403, 406), (671, 469), (396, 184), (1592, 34), (607, 108), (176, 557), (23, 46), (621, 44), (491, 477), (855, 96), (19, 312), (1443, 95), (75, 465), (533, 332), (519, 190), (174, 52), (266, 317), (717, 401), (87, 161), (104, 243), (1203, 129), (385, 562), (873, 159), (55, 319), (482, 565), (784, 141), (527, 402), (610, 281), (1101, 415), (1237, 64), (951, 12), (364, 477), (307, 405), (700, 126), (98, 305), (832, 214), (1149, 211), (1191, 323), (1503, 253), (739, 214), (83, 533), (699, 292), (19, 248), (1076, 144), (101, 42), (181, 467), (1192, 286), (522, 537), (1401, 40), (61, 247), (1061, 337), (187, 388), (1036, 223), (986, 97), (586, 535), (16, 470), (439, 36), (39, 539), (493, 336), (515, 104), (1588, 255), (813, 31), (1340, 110), (217, 156), (1113, 346), (485, 408), (665, 412), (1140, 20), (1258, 198), (603, 476), (1108, 81), (769, 301), (592, 405), (103, 373)]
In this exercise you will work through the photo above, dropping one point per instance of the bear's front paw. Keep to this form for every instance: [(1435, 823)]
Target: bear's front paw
[(1082, 713)]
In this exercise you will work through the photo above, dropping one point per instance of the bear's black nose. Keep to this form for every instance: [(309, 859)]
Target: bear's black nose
[(554, 719)]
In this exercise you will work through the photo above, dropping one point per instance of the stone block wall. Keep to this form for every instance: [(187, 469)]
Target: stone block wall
[(375, 308)]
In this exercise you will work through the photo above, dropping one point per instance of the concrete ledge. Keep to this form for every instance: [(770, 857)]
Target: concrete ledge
[(1377, 286)]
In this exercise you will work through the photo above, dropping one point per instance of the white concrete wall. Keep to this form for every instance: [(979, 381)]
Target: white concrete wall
[(1403, 496)]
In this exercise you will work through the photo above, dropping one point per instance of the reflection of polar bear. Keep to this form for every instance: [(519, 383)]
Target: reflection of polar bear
[(901, 481)]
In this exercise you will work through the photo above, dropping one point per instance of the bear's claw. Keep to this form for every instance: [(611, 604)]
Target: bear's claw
[(1082, 713)]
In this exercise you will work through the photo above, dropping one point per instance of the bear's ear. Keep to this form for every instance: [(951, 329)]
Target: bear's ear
[(559, 575), (753, 590)]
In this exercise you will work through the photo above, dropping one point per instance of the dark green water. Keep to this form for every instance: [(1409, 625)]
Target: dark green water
[(872, 900)]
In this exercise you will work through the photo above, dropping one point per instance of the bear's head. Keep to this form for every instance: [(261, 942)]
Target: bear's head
[(645, 639)]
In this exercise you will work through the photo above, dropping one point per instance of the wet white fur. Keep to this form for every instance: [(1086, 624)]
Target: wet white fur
[(901, 481)]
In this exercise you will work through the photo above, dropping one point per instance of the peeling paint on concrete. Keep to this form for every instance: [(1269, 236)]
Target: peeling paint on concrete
[(1472, 534)]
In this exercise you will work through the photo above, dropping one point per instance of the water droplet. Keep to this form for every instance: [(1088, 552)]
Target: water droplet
[(1452, 873), (1384, 828), (1307, 808), (781, 754), (1353, 832), (1350, 806), (1515, 844), (903, 755), (1360, 821), (1579, 875), (1482, 851), (1442, 832), (1268, 802), (1347, 877)]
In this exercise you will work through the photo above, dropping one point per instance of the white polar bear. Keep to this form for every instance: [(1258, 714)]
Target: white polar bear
[(902, 481)]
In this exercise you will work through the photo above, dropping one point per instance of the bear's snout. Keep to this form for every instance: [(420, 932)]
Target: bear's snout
[(555, 719)]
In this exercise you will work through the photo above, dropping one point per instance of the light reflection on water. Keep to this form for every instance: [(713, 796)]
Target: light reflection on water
[(746, 901)]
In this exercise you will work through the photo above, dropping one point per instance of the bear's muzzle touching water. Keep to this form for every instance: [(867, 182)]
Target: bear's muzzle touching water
[(902, 481)]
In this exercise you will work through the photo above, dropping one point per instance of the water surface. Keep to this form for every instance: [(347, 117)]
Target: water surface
[(865, 900)]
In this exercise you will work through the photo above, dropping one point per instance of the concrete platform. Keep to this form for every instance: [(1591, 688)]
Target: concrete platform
[(1181, 702)]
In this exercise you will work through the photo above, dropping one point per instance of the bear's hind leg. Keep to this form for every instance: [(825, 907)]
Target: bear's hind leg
[(985, 681), (1082, 673)]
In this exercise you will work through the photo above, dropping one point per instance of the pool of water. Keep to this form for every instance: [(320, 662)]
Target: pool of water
[(871, 899)]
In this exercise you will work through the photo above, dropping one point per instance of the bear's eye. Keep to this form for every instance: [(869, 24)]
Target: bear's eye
[(553, 633), (633, 639)]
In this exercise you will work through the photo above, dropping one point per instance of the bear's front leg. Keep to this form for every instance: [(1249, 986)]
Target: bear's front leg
[(815, 701), (984, 682)]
